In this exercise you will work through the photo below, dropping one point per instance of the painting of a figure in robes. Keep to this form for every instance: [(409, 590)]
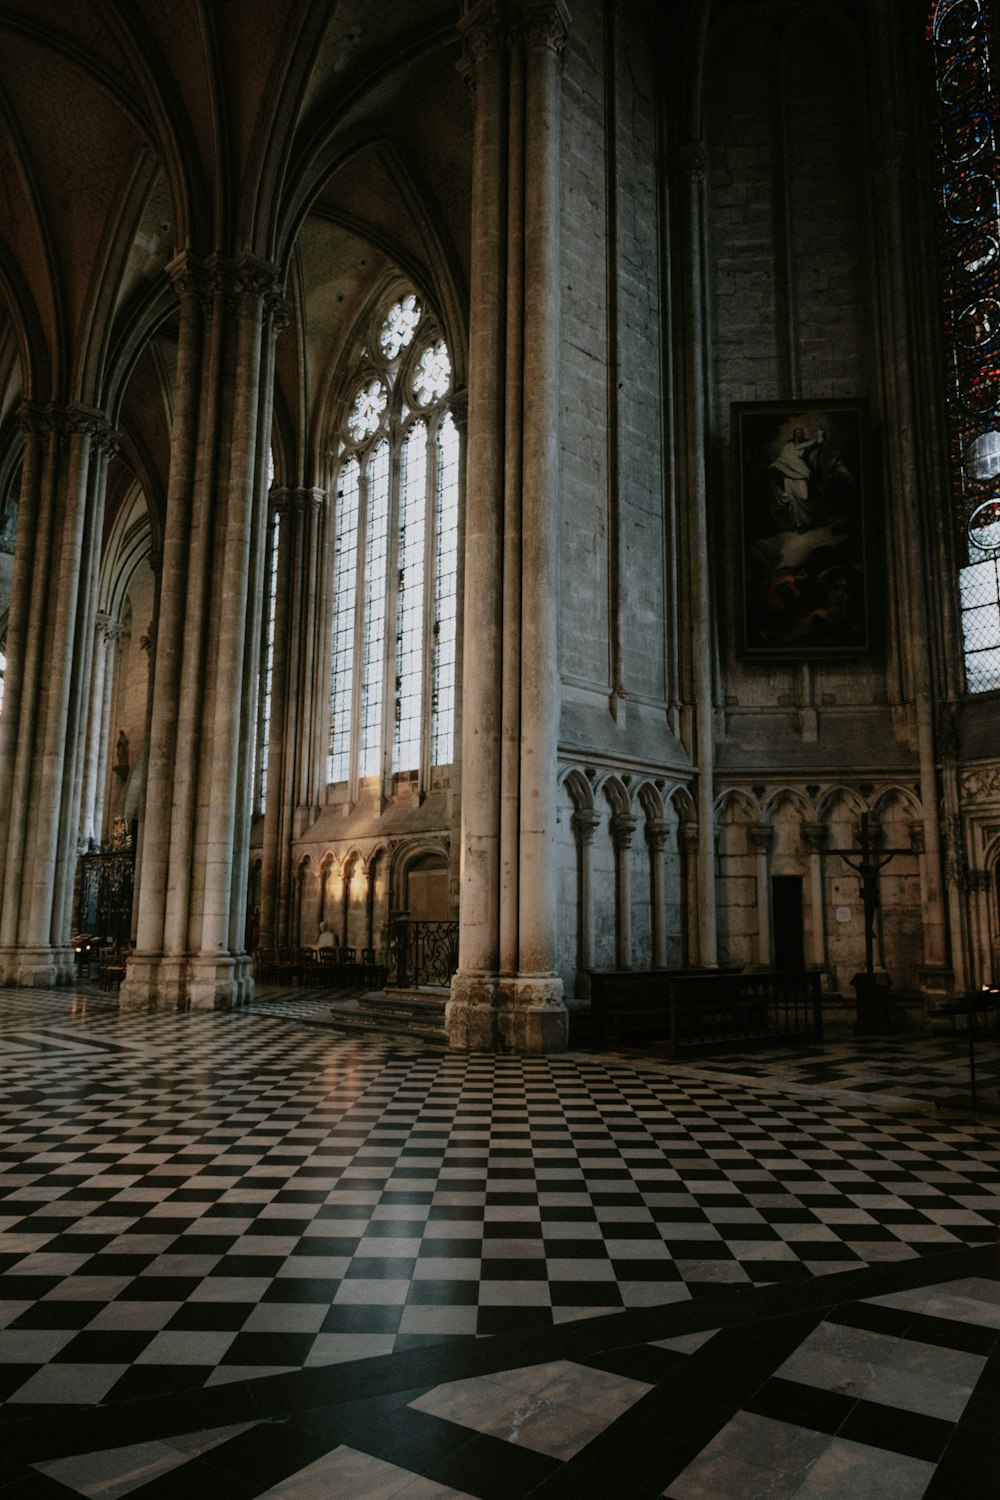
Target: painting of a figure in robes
[(801, 477)]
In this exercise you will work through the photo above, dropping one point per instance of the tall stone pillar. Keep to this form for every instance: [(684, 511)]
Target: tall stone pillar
[(507, 991), (689, 176), (533, 1016), (471, 1010), (50, 660), (105, 641), (192, 887)]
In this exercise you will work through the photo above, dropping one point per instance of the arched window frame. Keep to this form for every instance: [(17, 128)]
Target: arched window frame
[(394, 656), (960, 36)]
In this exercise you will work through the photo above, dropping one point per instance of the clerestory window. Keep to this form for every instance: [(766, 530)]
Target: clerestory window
[(395, 566), (959, 34)]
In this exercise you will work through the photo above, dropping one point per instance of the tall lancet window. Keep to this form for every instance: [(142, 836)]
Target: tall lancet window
[(959, 34), (395, 567)]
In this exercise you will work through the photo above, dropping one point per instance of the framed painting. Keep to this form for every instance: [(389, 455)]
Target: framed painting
[(802, 493)]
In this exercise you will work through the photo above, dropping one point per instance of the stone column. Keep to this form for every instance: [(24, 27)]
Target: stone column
[(657, 832), (761, 837), (815, 837), (689, 174), (276, 859), (904, 417), (688, 838), (192, 887), (535, 1021), (471, 1010), (622, 829), (979, 887), (49, 647), (585, 821), (90, 831)]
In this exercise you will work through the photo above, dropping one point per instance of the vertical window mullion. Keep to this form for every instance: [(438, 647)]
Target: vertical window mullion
[(430, 595)]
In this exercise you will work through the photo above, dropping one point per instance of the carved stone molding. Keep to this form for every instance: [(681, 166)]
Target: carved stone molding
[(238, 283), (917, 838), (484, 30), (689, 837), (657, 832), (978, 882), (545, 26), (760, 836), (814, 836), (980, 781), (622, 829), (583, 823)]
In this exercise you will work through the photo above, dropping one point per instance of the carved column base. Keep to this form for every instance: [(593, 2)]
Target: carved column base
[(40, 968), (470, 1016), (186, 983), (532, 1019)]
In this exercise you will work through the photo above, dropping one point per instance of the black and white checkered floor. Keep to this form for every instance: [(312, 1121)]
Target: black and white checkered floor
[(240, 1257)]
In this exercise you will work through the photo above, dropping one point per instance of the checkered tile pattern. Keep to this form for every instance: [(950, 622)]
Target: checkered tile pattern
[(203, 1198)]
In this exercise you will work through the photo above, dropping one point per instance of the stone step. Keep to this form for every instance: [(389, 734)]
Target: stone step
[(369, 1016)]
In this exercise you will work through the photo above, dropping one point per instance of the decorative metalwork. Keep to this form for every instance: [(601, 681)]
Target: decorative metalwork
[(422, 953)]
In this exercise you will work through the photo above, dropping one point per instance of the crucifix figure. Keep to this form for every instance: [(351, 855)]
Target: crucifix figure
[(868, 866)]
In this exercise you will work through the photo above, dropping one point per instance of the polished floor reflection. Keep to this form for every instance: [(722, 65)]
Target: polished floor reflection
[(241, 1256)]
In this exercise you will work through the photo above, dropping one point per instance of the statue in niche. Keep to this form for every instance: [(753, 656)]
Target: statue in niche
[(121, 755)]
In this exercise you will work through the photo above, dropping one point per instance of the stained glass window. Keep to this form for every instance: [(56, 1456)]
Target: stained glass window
[(373, 629), (345, 571), (958, 32), (410, 606), (399, 326), (445, 594), (395, 576), (366, 410)]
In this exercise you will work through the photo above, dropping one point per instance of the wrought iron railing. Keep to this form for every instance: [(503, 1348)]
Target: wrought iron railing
[(422, 953)]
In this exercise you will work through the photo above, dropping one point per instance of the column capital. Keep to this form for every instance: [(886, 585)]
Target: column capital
[(814, 836), (288, 501), (622, 829), (584, 821), (545, 26), (917, 835), (690, 837), (237, 280), (657, 832), (761, 837), (64, 422), (484, 28)]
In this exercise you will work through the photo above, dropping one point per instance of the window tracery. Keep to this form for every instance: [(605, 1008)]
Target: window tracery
[(958, 31), (395, 565)]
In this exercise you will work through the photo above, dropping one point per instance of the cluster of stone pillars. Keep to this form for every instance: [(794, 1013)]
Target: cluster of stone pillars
[(506, 992), (50, 650)]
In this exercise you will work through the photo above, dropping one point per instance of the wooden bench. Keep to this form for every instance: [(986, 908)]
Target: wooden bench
[(692, 1010)]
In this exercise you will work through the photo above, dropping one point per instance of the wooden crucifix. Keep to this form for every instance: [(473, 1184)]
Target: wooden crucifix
[(868, 866)]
